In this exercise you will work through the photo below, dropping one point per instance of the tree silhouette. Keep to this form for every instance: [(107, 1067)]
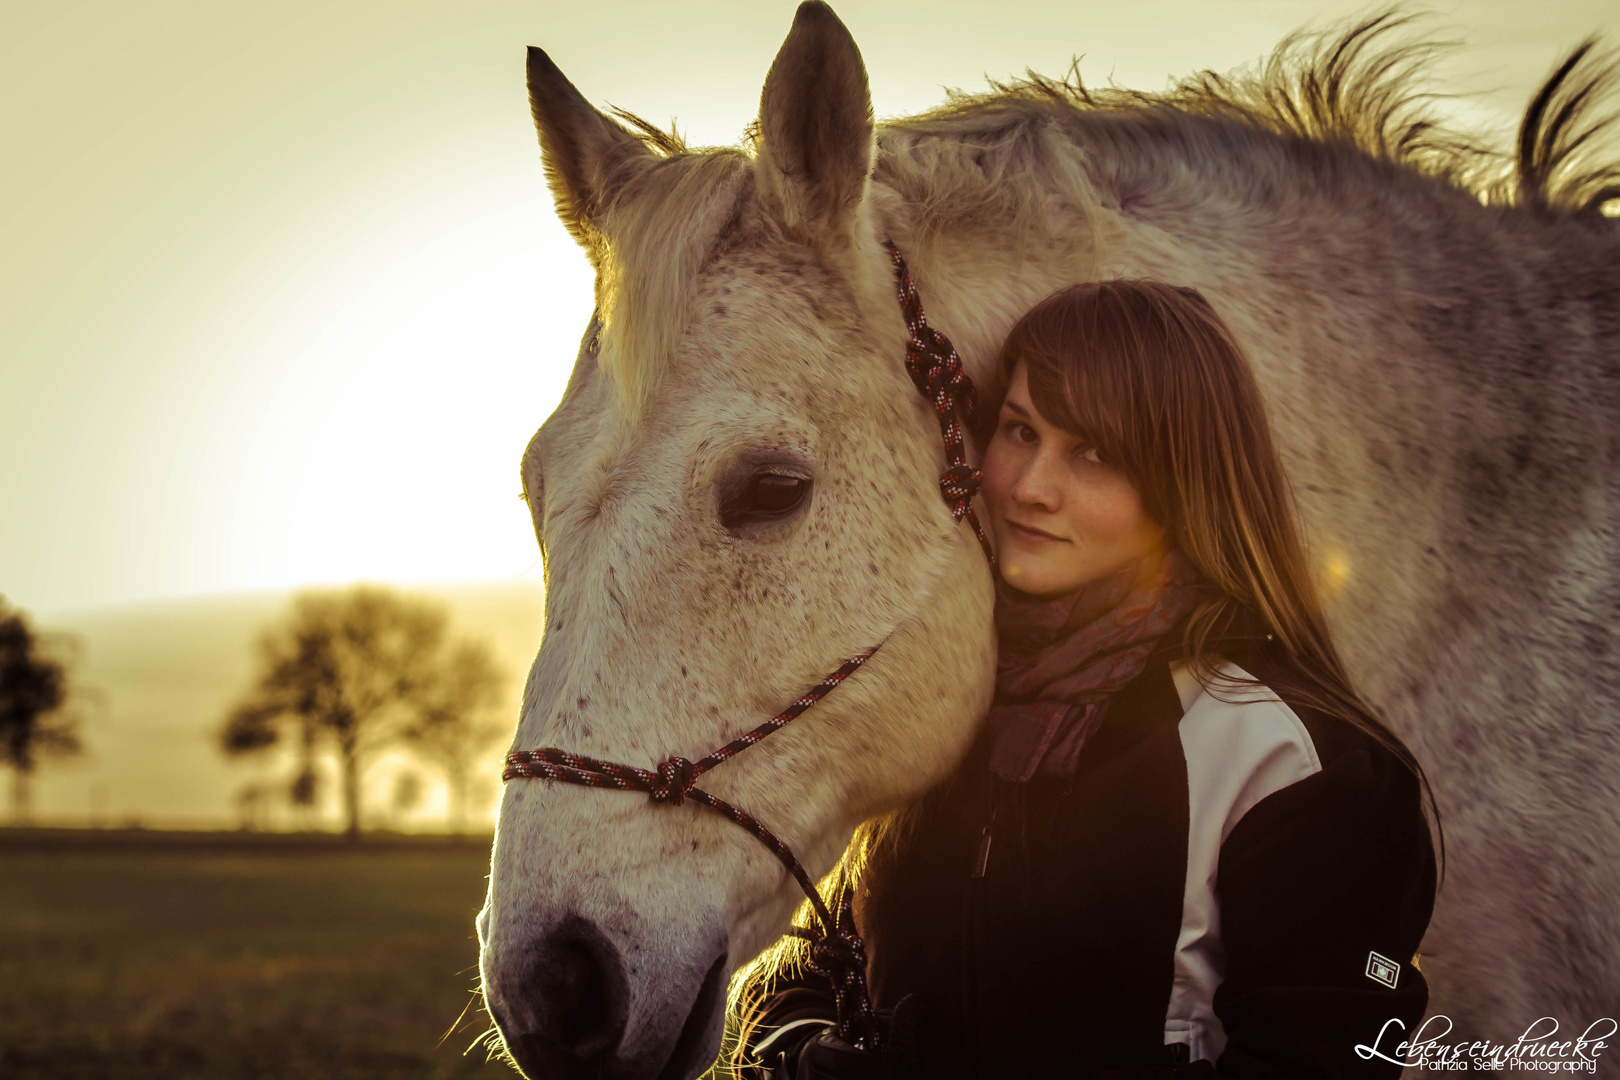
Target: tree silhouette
[(34, 722), (346, 669), (456, 719)]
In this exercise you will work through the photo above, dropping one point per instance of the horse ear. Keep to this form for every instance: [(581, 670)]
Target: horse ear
[(815, 124), (587, 156)]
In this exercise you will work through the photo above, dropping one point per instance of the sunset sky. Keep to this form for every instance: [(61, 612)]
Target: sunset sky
[(281, 293)]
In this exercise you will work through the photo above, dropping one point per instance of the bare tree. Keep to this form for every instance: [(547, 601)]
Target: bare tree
[(407, 796), (36, 720), (252, 805), (344, 670), (458, 717)]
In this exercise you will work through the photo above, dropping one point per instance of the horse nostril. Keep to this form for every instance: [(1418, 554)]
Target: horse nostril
[(578, 991)]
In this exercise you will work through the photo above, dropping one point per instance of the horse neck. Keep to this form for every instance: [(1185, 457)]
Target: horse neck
[(1376, 305), (1240, 214)]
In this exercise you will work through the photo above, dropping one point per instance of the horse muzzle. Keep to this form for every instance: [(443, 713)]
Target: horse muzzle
[(575, 1003)]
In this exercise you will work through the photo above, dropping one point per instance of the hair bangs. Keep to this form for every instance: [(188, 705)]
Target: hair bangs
[(1100, 358)]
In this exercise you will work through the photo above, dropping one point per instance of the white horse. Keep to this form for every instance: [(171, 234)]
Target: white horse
[(1441, 357)]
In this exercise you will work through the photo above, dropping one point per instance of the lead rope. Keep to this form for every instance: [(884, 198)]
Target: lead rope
[(837, 952), (936, 370)]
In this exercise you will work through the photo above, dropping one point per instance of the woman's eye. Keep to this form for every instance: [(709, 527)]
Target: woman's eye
[(1020, 432), (1088, 453)]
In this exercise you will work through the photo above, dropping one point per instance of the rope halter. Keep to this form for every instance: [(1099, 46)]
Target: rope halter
[(837, 951), (936, 371)]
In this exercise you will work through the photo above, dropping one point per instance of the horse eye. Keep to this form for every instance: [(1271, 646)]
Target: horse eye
[(773, 493), (762, 497)]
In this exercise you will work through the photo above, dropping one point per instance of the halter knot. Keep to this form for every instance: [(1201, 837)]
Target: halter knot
[(838, 952), (674, 781), (943, 375), (959, 484), (936, 370)]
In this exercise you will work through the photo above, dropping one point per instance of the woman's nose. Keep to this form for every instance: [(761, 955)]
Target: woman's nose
[(1037, 486)]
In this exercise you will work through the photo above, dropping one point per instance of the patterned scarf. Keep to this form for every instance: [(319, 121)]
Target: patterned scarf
[(1062, 659)]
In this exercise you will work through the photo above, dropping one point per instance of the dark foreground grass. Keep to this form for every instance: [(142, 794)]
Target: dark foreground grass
[(211, 957)]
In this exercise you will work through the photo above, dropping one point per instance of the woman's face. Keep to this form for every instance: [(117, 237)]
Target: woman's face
[(1061, 517)]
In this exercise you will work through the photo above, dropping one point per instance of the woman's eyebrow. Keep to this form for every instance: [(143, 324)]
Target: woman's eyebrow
[(1015, 407)]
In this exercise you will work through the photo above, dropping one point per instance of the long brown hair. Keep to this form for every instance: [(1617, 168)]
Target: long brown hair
[(1148, 374)]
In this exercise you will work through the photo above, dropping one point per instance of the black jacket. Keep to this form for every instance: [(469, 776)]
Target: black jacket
[(1240, 883)]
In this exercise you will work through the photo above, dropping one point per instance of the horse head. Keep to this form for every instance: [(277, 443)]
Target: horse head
[(739, 490)]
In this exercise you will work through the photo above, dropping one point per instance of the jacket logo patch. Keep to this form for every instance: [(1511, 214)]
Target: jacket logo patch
[(1382, 969)]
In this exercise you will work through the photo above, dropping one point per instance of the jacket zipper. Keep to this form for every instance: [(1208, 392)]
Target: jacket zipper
[(981, 861), (970, 930)]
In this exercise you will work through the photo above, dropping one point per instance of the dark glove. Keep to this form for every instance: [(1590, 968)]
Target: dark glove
[(825, 1056)]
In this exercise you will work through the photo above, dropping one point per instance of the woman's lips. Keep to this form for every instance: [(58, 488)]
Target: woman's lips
[(1031, 535)]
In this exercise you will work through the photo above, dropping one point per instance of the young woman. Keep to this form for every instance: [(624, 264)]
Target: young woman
[(1182, 845)]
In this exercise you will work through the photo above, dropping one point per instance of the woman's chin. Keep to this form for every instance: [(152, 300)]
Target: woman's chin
[(1030, 577)]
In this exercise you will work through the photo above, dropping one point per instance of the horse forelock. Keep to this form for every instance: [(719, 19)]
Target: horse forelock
[(656, 239)]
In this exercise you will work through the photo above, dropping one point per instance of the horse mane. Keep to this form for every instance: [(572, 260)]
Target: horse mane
[(1354, 88), (1357, 89), (1555, 166)]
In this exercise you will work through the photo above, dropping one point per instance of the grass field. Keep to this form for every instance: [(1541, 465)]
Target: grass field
[(198, 955)]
